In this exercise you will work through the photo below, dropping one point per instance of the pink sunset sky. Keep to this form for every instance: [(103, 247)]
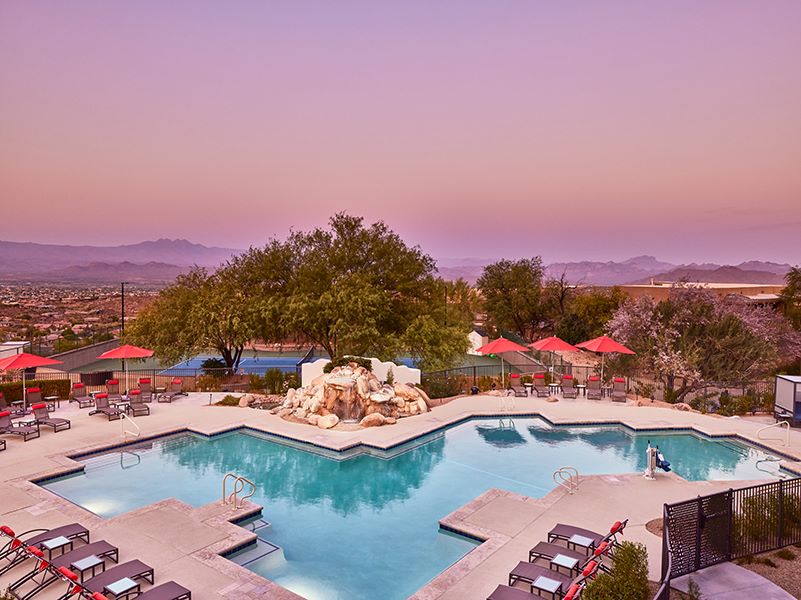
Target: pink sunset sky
[(574, 130)]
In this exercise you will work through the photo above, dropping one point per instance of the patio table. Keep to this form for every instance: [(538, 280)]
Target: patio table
[(546, 584), (121, 587), (562, 561), (56, 543), (90, 563)]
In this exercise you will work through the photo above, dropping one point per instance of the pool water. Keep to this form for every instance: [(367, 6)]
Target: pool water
[(366, 525)]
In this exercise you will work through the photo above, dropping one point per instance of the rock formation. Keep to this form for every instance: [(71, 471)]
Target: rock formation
[(352, 393)]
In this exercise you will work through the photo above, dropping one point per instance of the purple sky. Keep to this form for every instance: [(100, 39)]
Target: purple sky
[(574, 130)]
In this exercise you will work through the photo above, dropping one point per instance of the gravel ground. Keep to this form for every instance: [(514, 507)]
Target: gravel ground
[(779, 567)]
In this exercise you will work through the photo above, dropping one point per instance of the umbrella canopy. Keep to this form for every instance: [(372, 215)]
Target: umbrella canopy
[(604, 345), (25, 361), (501, 345), (127, 351), (553, 344)]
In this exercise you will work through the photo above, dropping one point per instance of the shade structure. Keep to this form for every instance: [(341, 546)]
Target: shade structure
[(124, 352), (604, 345), (500, 346), (553, 345), (22, 361)]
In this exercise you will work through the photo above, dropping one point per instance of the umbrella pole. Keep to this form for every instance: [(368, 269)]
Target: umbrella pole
[(603, 356), (24, 394)]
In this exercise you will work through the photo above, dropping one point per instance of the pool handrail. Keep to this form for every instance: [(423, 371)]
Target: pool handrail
[(776, 424)]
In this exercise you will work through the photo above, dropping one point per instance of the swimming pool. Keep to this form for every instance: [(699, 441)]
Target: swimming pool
[(381, 507)]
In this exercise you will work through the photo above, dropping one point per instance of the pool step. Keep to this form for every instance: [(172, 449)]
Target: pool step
[(259, 550)]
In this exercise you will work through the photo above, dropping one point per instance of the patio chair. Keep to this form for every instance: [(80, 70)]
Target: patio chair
[(80, 396), (14, 550), (34, 396), (540, 387), (15, 412), (504, 592), (569, 389), (113, 390), (2, 445), (547, 551), (526, 572), (515, 386), (166, 591), (42, 416), (585, 538), (594, 388), (136, 404), (103, 407), (618, 389), (26, 431), (133, 569), (176, 389), (147, 389)]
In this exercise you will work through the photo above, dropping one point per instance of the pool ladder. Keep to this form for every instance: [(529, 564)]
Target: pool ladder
[(568, 478), (135, 433), (239, 486)]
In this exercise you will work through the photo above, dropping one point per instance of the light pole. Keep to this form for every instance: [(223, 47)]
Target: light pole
[(122, 321)]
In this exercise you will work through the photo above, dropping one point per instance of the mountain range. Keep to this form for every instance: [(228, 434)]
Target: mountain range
[(160, 261)]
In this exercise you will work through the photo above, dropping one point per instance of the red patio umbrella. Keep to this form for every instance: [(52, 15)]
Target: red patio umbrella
[(604, 345), (498, 347), (125, 352), (553, 345), (22, 361)]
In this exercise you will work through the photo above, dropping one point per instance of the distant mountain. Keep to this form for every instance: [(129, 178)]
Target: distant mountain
[(608, 273), (725, 274), (770, 267), (103, 272), (25, 259)]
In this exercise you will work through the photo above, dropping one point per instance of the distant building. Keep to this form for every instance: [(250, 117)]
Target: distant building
[(11, 348), (478, 337), (757, 293)]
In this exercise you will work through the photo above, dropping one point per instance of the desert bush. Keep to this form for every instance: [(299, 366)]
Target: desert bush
[(291, 380), (274, 381), (49, 387), (213, 367), (444, 387), (228, 401), (344, 360), (758, 519), (628, 579), (256, 383)]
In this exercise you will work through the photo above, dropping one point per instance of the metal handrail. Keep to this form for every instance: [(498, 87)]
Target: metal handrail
[(224, 481), (568, 478), (239, 486), (252, 490), (777, 424), (124, 431)]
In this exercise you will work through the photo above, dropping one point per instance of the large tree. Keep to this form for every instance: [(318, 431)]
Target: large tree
[(587, 313), (695, 338), (512, 292), (791, 296)]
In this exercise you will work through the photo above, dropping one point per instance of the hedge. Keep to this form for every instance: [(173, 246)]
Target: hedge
[(49, 387)]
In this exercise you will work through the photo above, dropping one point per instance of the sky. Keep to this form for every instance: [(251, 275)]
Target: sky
[(571, 130)]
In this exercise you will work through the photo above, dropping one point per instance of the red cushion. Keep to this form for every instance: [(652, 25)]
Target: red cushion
[(5, 413), (34, 390), (514, 375), (144, 381), (35, 551), (68, 574), (539, 375), (619, 380), (38, 406), (572, 593), (98, 596), (567, 377), (590, 568), (101, 396), (618, 526), (113, 382), (5, 528), (79, 385), (134, 392), (177, 380), (595, 378), (601, 549)]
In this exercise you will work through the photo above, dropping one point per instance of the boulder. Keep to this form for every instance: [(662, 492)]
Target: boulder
[(362, 386), (312, 419), (406, 392), (245, 400), (552, 399), (390, 421), (373, 420), (421, 392), (290, 394), (380, 397), (300, 413), (328, 421), (374, 384), (422, 406), (285, 412), (682, 406)]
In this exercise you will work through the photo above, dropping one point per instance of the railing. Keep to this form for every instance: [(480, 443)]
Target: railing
[(778, 424), (124, 431), (239, 486), (568, 478)]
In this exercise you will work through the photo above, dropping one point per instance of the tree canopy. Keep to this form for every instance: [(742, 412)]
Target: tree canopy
[(512, 292), (791, 296), (349, 288)]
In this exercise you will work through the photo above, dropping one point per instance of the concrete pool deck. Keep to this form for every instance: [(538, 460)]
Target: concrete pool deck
[(184, 543)]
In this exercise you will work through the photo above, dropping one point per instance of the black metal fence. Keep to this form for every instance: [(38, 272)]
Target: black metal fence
[(717, 528)]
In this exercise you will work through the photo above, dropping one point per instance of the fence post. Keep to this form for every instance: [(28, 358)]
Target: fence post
[(781, 514), (730, 532), (474, 374), (698, 527)]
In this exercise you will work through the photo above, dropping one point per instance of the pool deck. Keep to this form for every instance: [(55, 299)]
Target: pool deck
[(184, 543)]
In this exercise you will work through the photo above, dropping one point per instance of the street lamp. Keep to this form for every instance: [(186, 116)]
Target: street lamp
[(122, 321)]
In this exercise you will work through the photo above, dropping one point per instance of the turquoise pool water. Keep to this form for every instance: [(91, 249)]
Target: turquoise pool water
[(365, 525)]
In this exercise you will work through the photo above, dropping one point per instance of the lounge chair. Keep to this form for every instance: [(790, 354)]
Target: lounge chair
[(176, 389), (43, 577), (80, 396), (533, 574), (15, 412), (26, 431), (34, 396), (146, 389), (166, 591), (515, 387), (133, 569), (540, 387), (42, 416), (585, 538), (14, 550), (2, 445), (547, 551), (594, 388), (103, 407), (136, 405), (569, 389), (504, 592), (113, 390), (618, 389)]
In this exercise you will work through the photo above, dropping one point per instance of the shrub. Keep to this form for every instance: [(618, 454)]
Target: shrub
[(291, 380), (390, 377), (213, 367), (785, 554), (758, 519), (693, 590), (274, 381), (443, 387), (49, 387), (208, 383), (737, 405), (344, 360), (228, 401), (644, 390), (628, 580), (255, 382)]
